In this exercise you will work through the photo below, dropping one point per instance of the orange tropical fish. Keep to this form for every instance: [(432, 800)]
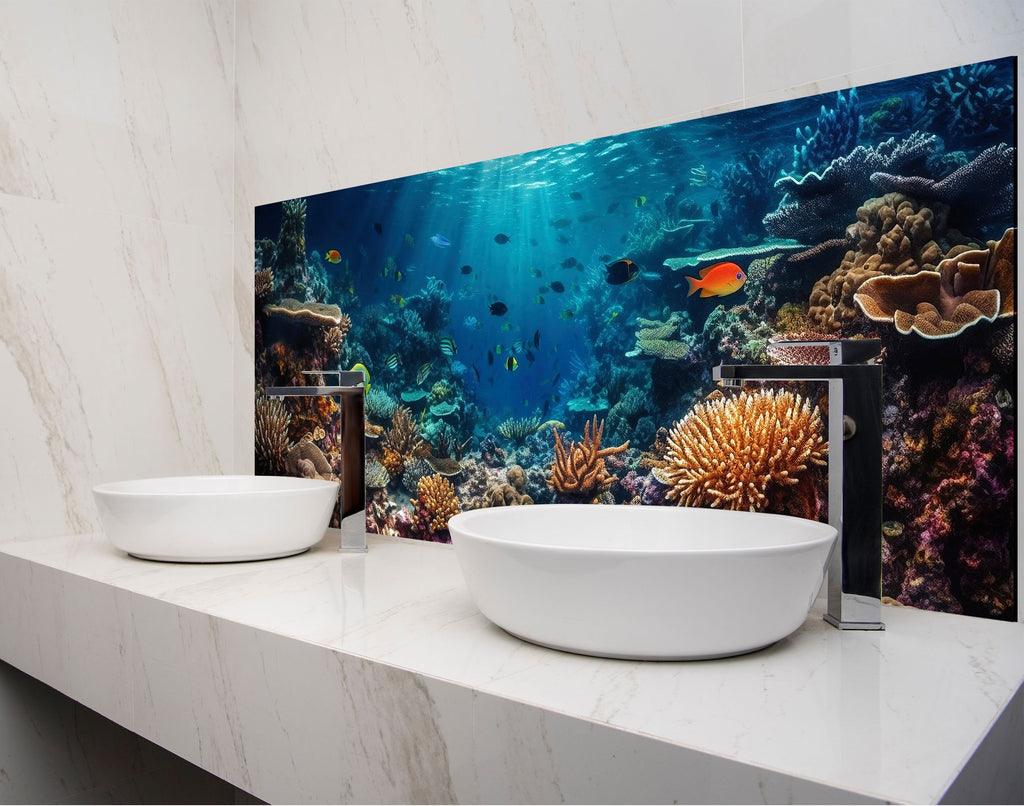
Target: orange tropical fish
[(333, 256), (718, 280)]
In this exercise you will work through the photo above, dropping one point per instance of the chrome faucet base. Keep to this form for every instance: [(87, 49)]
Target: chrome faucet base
[(353, 534), (350, 390), (853, 625), (854, 590)]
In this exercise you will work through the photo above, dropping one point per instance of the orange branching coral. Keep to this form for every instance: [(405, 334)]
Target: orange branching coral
[(736, 452), (578, 470), (436, 495)]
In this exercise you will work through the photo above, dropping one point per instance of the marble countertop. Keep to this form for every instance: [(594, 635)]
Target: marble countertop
[(327, 677)]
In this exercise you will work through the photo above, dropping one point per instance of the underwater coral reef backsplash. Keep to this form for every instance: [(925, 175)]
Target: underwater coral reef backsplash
[(541, 328)]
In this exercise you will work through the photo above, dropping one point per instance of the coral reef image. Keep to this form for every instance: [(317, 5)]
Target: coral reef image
[(542, 328)]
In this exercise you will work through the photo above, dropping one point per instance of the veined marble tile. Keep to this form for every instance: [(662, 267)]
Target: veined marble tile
[(334, 96), (116, 339), (823, 45), (244, 347), (120, 106)]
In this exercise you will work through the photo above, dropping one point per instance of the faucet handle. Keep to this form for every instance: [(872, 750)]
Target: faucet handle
[(860, 351)]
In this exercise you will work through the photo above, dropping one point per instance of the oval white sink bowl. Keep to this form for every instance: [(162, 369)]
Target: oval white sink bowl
[(209, 519), (642, 582)]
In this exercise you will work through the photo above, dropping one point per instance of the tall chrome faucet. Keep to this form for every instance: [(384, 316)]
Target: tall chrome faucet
[(854, 595), (350, 390)]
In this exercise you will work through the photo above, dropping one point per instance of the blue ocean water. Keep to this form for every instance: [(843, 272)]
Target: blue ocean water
[(537, 231)]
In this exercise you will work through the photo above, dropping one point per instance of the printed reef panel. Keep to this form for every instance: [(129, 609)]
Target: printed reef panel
[(542, 328)]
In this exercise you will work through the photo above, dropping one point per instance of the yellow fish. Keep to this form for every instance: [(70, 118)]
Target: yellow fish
[(366, 374), (399, 301)]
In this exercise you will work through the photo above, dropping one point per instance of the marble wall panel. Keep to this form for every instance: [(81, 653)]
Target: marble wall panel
[(116, 306)]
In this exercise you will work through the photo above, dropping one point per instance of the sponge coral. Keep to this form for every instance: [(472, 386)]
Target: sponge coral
[(742, 452), (435, 502)]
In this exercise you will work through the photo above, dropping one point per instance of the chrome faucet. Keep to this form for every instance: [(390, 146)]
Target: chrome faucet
[(350, 389), (854, 594)]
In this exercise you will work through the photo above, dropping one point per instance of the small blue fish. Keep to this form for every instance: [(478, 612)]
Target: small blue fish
[(440, 241), (392, 361), (448, 346)]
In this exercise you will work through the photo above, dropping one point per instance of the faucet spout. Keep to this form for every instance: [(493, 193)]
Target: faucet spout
[(854, 590), (350, 389)]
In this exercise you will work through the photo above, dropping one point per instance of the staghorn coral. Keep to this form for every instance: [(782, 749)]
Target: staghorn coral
[(971, 287), (435, 503), (578, 472), (272, 422), (742, 452)]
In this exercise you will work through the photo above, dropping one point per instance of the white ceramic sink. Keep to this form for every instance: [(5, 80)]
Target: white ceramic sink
[(642, 582), (215, 518)]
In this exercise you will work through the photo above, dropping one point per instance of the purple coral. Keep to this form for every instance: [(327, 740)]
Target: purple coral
[(835, 135), (980, 191), (817, 207), (949, 465)]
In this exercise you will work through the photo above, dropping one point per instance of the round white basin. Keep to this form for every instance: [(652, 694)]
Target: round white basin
[(206, 519), (642, 582)]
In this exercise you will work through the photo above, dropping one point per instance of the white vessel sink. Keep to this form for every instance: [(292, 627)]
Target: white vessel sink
[(208, 519), (642, 582)]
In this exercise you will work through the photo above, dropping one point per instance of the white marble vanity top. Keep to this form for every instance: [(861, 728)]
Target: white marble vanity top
[(327, 677)]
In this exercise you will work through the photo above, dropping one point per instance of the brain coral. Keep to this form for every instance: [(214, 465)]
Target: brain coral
[(894, 237), (736, 452)]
